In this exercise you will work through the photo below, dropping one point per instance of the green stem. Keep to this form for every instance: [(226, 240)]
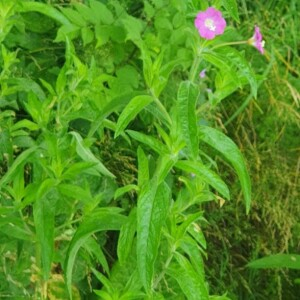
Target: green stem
[(195, 66), (229, 44), (162, 273)]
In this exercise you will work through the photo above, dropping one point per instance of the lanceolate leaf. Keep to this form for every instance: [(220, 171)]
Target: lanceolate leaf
[(131, 110), (124, 189), (13, 226), (20, 161), (164, 165), (101, 220), (152, 210), (143, 167), (126, 237), (182, 228), (291, 261), (87, 155), (94, 248), (228, 148), (44, 9), (240, 62), (205, 174), (43, 213), (114, 105), (190, 247), (186, 101), (190, 282), (150, 141), (223, 63)]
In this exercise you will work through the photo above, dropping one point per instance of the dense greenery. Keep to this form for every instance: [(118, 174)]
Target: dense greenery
[(125, 174)]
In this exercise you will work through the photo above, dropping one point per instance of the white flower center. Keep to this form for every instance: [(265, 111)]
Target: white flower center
[(209, 23)]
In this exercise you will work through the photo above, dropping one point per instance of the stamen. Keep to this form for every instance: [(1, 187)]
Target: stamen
[(209, 23)]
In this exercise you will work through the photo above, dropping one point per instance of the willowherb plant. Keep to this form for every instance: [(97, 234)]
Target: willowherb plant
[(102, 132)]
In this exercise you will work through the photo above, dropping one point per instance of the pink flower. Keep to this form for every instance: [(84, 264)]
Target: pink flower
[(257, 40), (210, 23), (202, 73)]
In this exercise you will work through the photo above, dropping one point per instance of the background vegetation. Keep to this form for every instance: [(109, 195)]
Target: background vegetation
[(69, 71), (267, 130)]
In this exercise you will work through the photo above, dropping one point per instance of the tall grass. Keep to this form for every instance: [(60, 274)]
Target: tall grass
[(267, 129)]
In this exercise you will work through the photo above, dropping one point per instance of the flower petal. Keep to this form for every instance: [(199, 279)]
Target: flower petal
[(210, 23)]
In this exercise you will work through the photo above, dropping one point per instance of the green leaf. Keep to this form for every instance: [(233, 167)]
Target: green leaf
[(195, 231), (152, 209), (124, 189), (76, 169), (158, 113), (86, 13), (12, 226), (232, 8), (243, 66), (126, 236), (134, 28), (186, 109), (74, 16), (228, 148), (43, 213), (87, 155), (291, 261), (87, 35), (149, 10), (150, 141), (131, 110), (190, 247), (103, 219), (44, 9), (190, 282), (70, 190), (69, 31), (143, 167), (207, 175), (225, 86), (25, 124), (114, 105), (93, 247), (17, 164), (222, 63), (101, 12), (102, 33), (164, 165), (26, 85), (106, 283), (48, 86), (183, 227), (147, 67)]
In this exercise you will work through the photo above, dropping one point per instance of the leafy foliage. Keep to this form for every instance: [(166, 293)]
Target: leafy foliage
[(105, 169)]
